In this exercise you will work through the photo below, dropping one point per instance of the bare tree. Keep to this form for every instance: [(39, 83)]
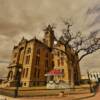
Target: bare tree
[(78, 45)]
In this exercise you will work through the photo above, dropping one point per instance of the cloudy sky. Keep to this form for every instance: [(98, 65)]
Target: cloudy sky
[(27, 18)]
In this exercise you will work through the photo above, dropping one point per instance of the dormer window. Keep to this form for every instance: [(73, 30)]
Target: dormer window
[(28, 50)]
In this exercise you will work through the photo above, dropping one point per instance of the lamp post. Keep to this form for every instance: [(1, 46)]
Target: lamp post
[(17, 82), (89, 81), (97, 77)]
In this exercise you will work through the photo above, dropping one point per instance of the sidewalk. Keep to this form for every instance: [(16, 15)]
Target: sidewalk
[(66, 97), (37, 98), (72, 96)]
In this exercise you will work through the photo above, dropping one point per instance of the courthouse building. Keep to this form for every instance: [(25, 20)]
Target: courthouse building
[(33, 61)]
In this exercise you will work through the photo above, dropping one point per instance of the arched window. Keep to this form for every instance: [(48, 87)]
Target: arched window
[(10, 75)]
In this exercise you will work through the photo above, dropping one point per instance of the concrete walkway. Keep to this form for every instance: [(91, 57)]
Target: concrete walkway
[(78, 96), (66, 97)]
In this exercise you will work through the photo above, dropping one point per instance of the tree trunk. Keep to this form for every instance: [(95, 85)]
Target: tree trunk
[(74, 73), (76, 68)]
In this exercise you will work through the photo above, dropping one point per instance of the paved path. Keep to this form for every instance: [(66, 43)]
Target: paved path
[(85, 96), (68, 97), (37, 98), (96, 97)]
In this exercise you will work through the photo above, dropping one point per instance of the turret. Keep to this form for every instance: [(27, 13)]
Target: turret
[(49, 36)]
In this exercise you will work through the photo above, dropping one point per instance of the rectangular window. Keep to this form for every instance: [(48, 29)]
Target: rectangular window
[(38, 51), (62, 72), (14, 61), (52, 56), (26, 72), (23, 72), (38, 73), (58, 62), (46, 70), (62, 54), (46, 64), (58, 53), (35, 71), (24, 84), (47, 55), (62, 61), (53, 64), (27, 59), (37, 60)]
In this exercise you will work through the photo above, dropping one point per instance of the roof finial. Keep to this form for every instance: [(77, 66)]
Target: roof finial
[(49, 28)]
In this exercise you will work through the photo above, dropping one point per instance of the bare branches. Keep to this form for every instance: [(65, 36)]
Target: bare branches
[(66, 33), (60, 50), (79, 43), (76, 42), (89, 51), (82, 56)]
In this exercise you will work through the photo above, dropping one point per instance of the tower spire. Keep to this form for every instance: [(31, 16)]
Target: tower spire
[(49, 36)]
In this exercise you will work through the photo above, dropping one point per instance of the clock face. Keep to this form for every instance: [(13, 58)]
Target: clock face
[(55, 42)]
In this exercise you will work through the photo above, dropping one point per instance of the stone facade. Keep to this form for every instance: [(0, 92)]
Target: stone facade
[(32, 59)]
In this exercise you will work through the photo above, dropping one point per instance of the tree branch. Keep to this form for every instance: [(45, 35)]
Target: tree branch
[(60, 50), (83, 56), (87, 53)]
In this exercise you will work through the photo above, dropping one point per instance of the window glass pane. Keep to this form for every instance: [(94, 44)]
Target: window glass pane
[(26, 72), (58, 62), (38, 51), (28, 50)]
